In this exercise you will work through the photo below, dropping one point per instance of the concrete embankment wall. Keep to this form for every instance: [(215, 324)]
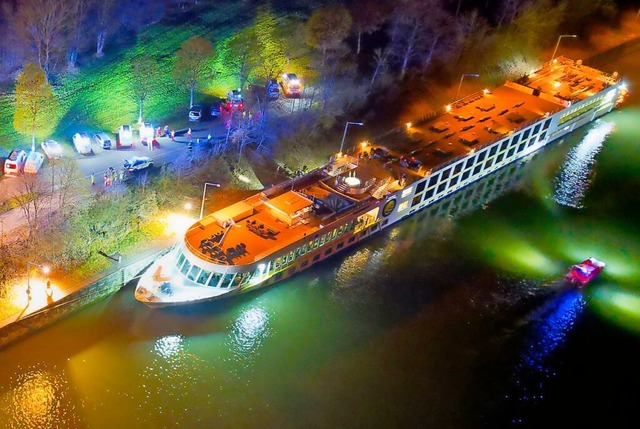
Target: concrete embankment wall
[(82, 297)]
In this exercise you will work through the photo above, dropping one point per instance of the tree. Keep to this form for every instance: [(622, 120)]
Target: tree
[(240, 54), (192, 63), (103, 10), (270, 55), (44, 22), (32, 195), (418, 27), (69, 184), (327, 28), (368, 16), (381, 62), (76, 21), (35, 109), (144, 71)]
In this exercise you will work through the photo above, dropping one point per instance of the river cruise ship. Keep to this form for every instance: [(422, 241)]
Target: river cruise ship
[(289, 227)]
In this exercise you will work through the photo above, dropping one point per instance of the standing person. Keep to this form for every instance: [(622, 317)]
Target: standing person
[(122, 174), (173, 135), (93, 179), (166, 130), (106, 178), (158, 132)]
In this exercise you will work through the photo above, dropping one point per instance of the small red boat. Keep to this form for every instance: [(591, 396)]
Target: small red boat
[(582, 273)]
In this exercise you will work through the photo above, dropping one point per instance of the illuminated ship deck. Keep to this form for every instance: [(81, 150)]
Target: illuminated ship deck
[(249, 230)]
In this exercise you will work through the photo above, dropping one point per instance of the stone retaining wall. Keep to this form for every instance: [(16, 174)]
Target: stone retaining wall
[(79, 299)]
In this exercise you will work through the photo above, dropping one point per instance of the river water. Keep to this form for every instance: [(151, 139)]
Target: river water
[(455, 318)]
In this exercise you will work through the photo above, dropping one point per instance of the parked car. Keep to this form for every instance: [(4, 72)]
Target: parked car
[(137, 163), (235, 95), (273, 92), (14, 165), (82, 142), (34, 162), (102, 140), (147, 132), (216, 108), (234, 100), (124, 137), (195, 113), (52, 149), (269, 91), (291, 85)]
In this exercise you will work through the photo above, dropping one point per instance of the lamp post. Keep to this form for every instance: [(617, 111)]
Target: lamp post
[(345, 132), (204, 191), (44, 268), (460, 85), (558, 43)]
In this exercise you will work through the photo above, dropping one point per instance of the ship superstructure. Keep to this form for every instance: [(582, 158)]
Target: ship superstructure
[(293, 225)]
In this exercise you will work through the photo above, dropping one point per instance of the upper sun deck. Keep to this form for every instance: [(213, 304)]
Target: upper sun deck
[(248, 230), (482, 118), (568, 80)]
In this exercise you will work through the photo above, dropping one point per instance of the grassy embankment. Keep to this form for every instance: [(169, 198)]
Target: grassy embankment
[(100, 95)]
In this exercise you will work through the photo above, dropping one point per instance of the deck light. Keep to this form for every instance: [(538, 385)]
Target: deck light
[(448, 107), (409, 124)]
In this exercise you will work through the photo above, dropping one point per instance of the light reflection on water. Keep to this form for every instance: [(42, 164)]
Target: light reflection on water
[(38, 399), (547, 329), (573, 180), (248, 333)]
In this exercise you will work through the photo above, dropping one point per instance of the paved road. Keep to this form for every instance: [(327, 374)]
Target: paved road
[(102, 159)]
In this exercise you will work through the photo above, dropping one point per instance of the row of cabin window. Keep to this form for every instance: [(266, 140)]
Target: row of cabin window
[(483, 191), (574, 113), (208, 278), (312, 245), (473, 166)]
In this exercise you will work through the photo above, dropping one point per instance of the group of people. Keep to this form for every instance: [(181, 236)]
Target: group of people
[(111, 177)]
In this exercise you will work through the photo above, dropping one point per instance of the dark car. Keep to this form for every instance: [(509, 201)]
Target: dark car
[(216, 108)]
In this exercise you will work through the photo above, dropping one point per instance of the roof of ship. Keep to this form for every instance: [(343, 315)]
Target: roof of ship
[(247, 231)]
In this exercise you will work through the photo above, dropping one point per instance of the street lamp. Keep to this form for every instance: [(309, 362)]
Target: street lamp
[(204, 190), (558, 43), (345, 132), (460, 85), (45, 269)]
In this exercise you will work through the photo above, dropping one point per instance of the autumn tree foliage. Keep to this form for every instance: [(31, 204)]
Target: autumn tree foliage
[(35, 105), (327, 28), (193, 63)]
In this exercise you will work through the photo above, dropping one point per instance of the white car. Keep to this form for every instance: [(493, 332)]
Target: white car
[(82, 142), (137, 163), (124, 137), (52, 149), (34, 162), (14, 165), (146, 132), (195, 113), (102, 140)]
